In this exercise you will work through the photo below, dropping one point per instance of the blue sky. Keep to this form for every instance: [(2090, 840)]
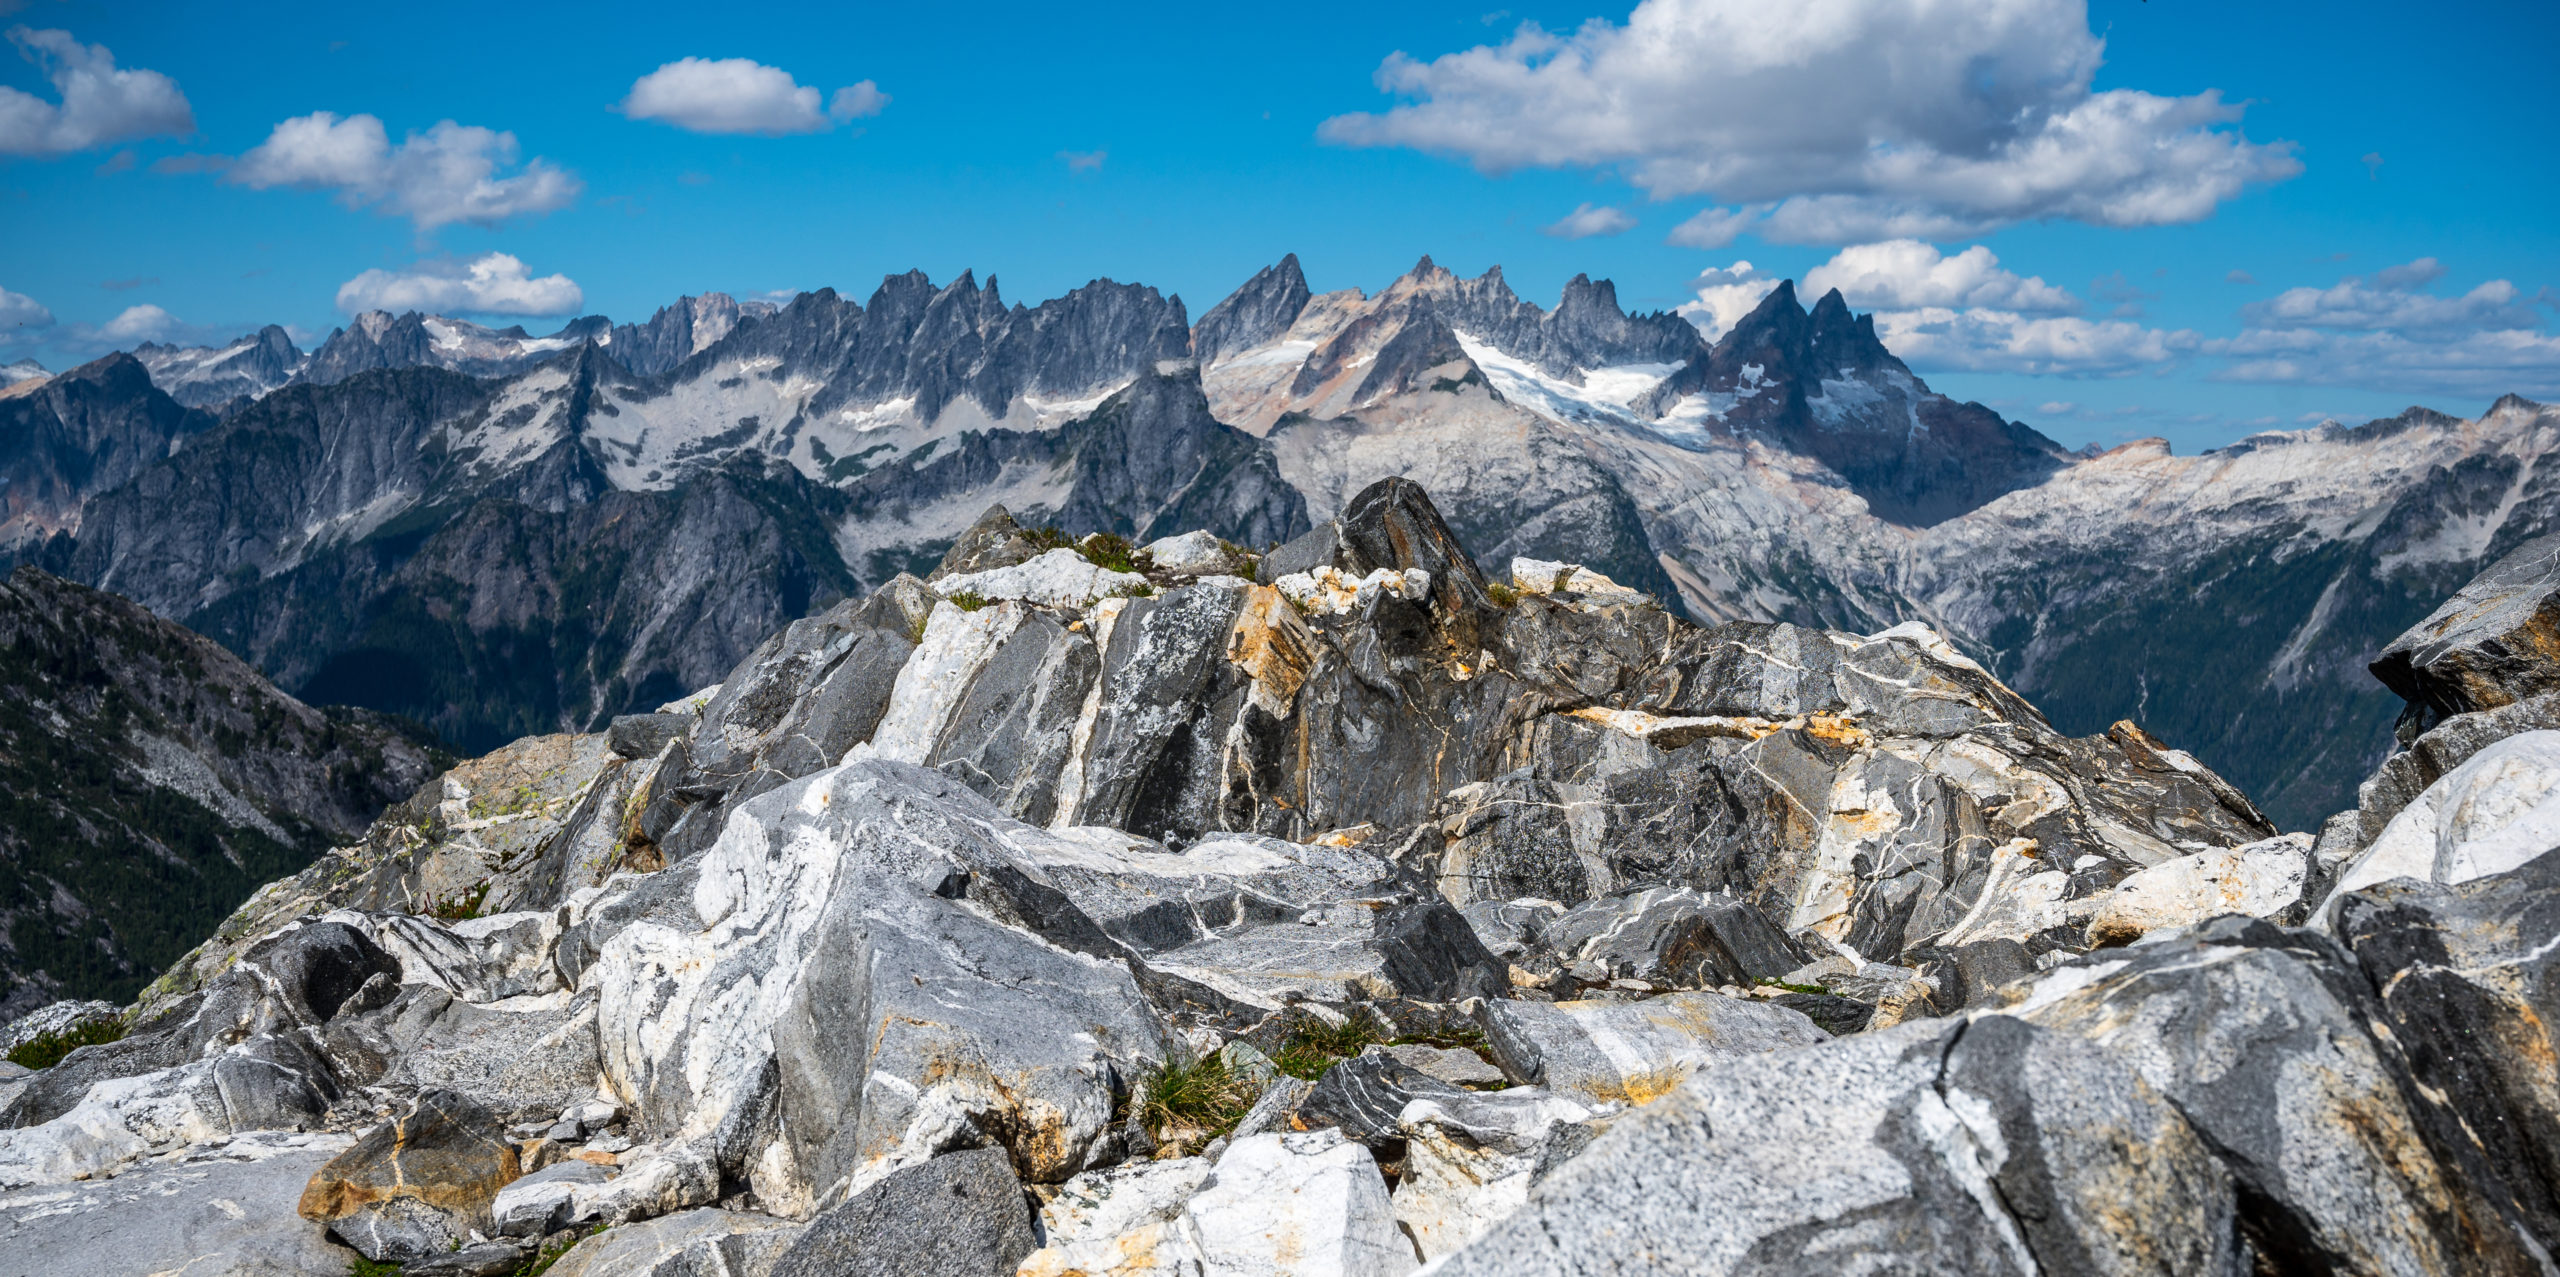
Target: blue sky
[(1186, 146)]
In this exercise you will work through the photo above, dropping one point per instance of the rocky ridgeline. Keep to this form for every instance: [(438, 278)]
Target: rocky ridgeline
[(1180, 910)]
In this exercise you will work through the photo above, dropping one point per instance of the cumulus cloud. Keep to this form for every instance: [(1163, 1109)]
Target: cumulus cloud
[(2392, 301), (101, 103), (1905, 274), (1935, 338), (21, 316), (448, 174), (740, 95), (1589, 220), (137, 324), (1724, 295), (490, 284), (2386, 333), (1832, 122)]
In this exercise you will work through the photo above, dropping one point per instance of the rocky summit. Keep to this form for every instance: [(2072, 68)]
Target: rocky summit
[(1089, 907)]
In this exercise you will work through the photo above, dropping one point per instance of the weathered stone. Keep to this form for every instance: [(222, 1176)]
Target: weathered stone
[(1470, 1160), (1454, 1065), (958, 1215), (696, 1243), (1510, 928), (57, 1018), (1362, 1096), (520, 1058), (1191, 554), (410, 1185), (2261, 879), (1675, 936), (1542, 576), (994, 541), (538, 1204), (1279, 1100), (1631, 1053), (1883, 1152), (2490, 815), (1897, 993), (473, 1259), (2496, 641), (2309, 1111), (2468, 978), (1056, 578), (643, 735), (222, 1209), (1097, 1206), (1283, 1205)]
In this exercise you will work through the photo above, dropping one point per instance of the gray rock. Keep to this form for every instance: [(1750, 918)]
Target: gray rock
[(1271, 1112), (521, 1060), (540, 1203), (1362, 1096), (1630, 1053), (1891, 1151), (409, 1187), (1297, 1203), (702, 1242), (2468, 979), (55, 1017), (643, 735), (958, 1215), (1510, 928), (225, 1209), (1454, 1065), (2310, 1113), (473, 1259), (1471, 1159), (2489, 645), (1674, 936)]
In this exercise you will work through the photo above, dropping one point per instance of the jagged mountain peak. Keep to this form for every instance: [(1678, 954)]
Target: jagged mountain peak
[(1257, 313)]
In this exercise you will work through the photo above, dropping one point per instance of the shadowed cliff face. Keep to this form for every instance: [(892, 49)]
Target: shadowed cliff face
[(148, 781)]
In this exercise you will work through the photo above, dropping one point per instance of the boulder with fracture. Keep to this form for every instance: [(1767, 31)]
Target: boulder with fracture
[(960, 1215), (1122, 1221), (1678, 937), (224, 1209), (415, 1185), (1632, 1052), (702, 1242), (2495, 642), (2259, 1036), (1283, 1204), (1934, 1147), (2468, 976), (1471, 1159), (2261, 879), (2490, 815)]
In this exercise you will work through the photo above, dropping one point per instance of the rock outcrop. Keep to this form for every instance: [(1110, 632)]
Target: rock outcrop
[(1508, 931)]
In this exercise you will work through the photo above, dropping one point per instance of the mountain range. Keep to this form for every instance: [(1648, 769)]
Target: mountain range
[(500, 534)]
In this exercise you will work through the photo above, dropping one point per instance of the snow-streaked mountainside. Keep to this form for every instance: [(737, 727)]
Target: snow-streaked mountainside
[(440, 511)]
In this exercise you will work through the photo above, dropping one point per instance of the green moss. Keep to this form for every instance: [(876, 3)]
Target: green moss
[(363, 1267), (45, 1050), (1316, 1046)]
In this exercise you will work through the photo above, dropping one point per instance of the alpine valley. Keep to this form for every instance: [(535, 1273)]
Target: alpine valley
[(499, 534)]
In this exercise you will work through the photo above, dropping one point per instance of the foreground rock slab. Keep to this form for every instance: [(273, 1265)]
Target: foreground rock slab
[(1631, 1052), (1292, 1205), (226, 1210), (959, 1215)]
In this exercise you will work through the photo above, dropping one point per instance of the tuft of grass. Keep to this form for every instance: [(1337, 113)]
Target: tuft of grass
[(1202, 1095), (1773, 982), (461, 907), (1502, 595), (1316, 1046), (1242, 562), (1139, 591), (969, 600), (1113, 552), (363, 1267), (45, 1050), (1044, 540)]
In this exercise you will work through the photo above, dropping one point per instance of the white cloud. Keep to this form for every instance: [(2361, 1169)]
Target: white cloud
[(1724, 295), (1854, 122), (101, 104), (1589, 220), (740, 95), (2392, 301), (138, 324), (857, 101), (1935, 338), (21, 316), (2385, 334), (1905, 274), (490, 284), (1715, 227), (447, 174)]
